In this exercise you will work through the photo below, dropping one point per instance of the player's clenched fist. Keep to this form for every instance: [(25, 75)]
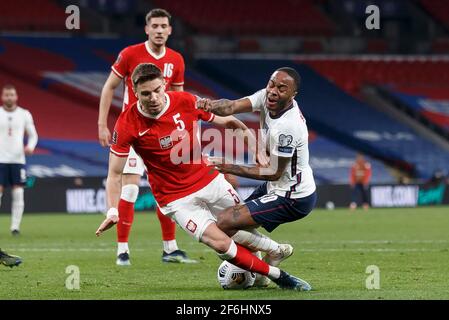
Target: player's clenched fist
[(104, 135), (204, 104)]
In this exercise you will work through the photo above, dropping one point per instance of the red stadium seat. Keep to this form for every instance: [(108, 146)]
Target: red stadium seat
[(350, 75), (19, 15), (438, 9), (249, 17)]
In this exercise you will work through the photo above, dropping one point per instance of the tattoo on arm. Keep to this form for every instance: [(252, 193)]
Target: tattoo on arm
[(247, 172), (222, 107), (235, 213)]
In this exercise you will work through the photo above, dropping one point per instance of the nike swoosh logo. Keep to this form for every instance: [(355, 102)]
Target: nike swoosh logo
[(142, 133)]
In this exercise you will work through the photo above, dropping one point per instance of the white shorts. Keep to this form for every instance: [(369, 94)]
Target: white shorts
[(134, 164), (195, 212)]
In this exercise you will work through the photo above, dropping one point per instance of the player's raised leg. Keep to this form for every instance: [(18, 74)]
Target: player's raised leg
[(238, 255), (221, 195), (199, 222)]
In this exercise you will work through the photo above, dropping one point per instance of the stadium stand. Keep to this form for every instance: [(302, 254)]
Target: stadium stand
[(18, 15), (430, 102), (416, 82), (352, 73), (223, 17), (331, 162), (59, 80), (438, 9), (61, 86), (66, 124)]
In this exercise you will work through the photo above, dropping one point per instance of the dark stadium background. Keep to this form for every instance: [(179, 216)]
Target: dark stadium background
[(383, 92)]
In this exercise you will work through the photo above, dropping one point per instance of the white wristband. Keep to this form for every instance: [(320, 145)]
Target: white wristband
[(112, 212)]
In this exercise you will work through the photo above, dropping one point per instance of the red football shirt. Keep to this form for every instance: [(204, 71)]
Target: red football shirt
[(360, 173), (159, 141), (170, 62)]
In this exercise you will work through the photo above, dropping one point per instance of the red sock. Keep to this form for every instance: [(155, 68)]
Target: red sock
[(168, 226), (246, 260), (126, 217)]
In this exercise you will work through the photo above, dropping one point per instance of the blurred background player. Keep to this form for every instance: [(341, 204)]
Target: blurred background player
[(359, 181), (9, 260), (15, 122), (159, 125), (171, 63)]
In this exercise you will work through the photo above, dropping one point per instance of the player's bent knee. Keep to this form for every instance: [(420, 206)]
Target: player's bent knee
[(215, 239), (130, 192)]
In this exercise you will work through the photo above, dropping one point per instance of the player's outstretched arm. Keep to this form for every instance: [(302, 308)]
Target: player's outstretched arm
[(107, 94), (247, 135), (272, 173), (113, 189), (225, 107)]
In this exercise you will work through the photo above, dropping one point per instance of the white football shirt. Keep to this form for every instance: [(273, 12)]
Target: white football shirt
[(13, 126), (286, 135)]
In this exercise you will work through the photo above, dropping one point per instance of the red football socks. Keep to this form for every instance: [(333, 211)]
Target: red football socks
[(126, 217), (246, 260), (168, 226)]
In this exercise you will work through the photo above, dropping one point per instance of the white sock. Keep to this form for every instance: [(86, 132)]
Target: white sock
[(130, 192), (274, 273), (122, 247), (17, 208), (230, 254), (256, 241), (170, 246)]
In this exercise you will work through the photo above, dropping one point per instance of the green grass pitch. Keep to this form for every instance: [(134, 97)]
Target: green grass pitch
[(332, 251)]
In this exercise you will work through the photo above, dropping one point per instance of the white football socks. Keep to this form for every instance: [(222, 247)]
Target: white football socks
[(18, 205), (230, 254), (274, 273), (170, 246), (256, 241), (130, 192), (122, 247)]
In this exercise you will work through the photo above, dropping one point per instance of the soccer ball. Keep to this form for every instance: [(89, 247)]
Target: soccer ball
[(232, 277)]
